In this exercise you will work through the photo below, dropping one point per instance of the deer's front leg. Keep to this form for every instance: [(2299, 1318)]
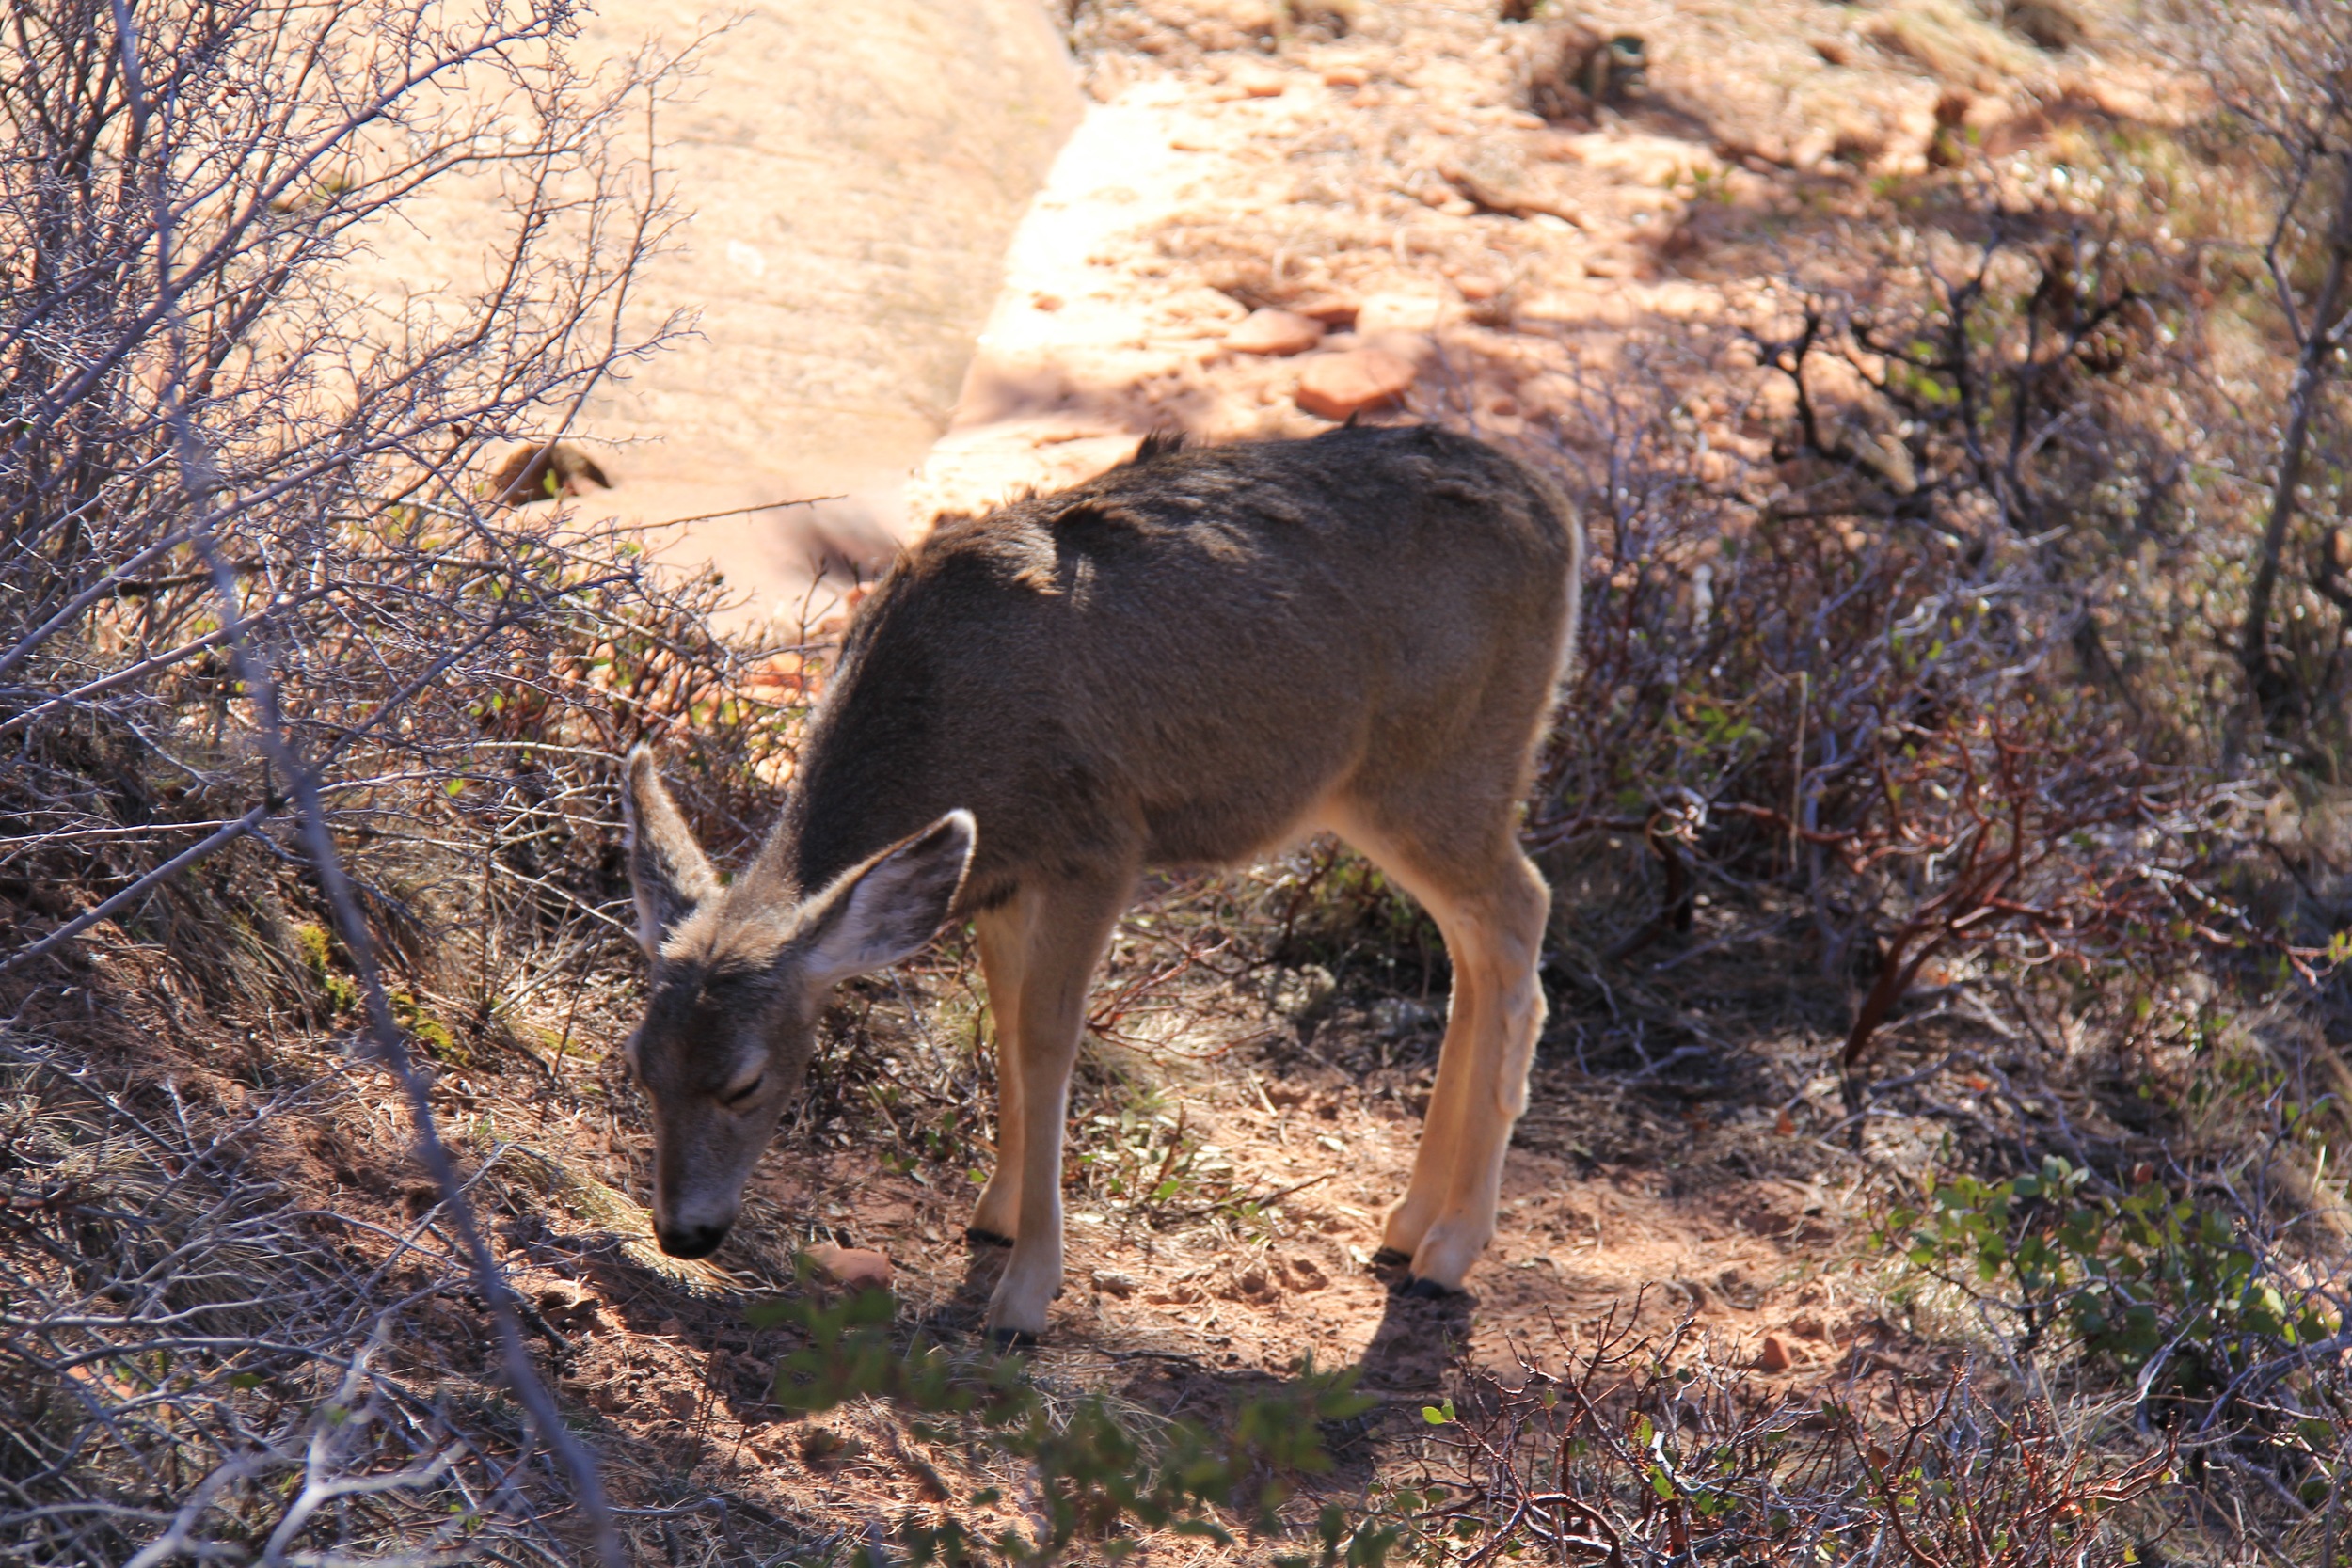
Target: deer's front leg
[(1002, 938), (1065, 928)]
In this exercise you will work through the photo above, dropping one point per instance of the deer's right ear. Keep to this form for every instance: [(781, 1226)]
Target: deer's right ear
[(666, 866)]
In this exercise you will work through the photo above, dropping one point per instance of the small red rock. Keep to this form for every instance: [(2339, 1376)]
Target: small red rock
[(1336, 385), (1777, 1356), (852, 1268), (1336, 313), (1271, 331)]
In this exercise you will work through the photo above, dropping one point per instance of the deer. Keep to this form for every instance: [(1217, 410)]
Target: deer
[(1192, 661)]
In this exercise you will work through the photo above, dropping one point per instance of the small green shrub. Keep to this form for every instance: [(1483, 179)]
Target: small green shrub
[(2132, 1277)]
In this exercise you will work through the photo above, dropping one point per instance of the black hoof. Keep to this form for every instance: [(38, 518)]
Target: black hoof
[(1012, 1338), (978, 1237), (1428, 1290), (1388, 1258)]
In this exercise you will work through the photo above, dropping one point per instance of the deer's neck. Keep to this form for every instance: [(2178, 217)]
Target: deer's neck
[(867, 778)]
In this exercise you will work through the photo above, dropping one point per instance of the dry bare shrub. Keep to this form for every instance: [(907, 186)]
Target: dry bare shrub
[(195, 1362), (2283, 73), (456, 670), (272, 658), (1632, 1449), (1942, 665)]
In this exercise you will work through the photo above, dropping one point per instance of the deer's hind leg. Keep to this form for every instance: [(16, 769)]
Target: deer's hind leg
[(1466, 868)]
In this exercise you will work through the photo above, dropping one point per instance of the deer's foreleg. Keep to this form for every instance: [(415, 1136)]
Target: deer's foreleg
[(1066, 928)]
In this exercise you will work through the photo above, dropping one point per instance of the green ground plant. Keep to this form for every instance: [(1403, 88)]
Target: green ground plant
[(2147, 1280), (1098, 1484)]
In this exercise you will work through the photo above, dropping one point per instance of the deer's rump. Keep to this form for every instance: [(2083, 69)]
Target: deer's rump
[(1178, 661)]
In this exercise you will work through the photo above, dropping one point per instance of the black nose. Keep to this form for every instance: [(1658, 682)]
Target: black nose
[(691, 1240)]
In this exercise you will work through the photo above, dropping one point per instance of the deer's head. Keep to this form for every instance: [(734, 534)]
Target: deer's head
[(740, 974)]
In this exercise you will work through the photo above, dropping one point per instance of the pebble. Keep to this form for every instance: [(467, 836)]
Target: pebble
[(1336, 385), (852, 1268), (1275, 332), (1259, 83), (1777, 1356)]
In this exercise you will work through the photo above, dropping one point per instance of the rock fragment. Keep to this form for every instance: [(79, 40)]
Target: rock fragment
[(1334, 385), (1336, 313), (1503, 179), (1257, 82), (852, 1268), (1275, 332)]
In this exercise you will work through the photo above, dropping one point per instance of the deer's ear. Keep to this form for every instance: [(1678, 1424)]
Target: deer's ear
[(879, 912), (666, 866)]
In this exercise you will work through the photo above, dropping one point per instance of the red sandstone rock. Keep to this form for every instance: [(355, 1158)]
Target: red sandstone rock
[(852, 1268), (1275, 332), (1336, 385), (1257, 82)]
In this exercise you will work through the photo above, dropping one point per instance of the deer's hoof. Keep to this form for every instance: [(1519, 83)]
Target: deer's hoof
[(981, 1236), (1418, 1289), (1012, 1338), (1390, 1258)]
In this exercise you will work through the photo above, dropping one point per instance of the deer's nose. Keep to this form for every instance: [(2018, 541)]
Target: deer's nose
[(690, 1240)]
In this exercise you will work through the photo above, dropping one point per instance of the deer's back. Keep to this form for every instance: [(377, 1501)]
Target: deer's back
[(1179, 658)]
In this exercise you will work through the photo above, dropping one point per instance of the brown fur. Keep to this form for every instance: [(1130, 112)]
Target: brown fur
[(1191, 660)]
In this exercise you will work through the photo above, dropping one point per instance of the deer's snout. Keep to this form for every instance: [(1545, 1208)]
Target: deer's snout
[(690, 1240), (693, 1211)]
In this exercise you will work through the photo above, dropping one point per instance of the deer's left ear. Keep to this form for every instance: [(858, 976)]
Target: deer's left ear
[(884, 910), (666, 867)]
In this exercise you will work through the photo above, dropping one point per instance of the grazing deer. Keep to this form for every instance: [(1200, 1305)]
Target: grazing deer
[(1190, 660)]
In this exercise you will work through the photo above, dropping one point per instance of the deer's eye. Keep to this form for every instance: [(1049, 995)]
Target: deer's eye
[(743, 1096)]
